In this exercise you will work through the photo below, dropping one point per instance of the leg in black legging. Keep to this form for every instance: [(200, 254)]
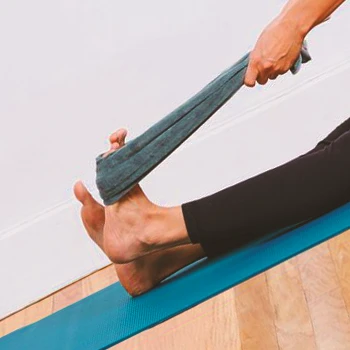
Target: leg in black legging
[(303, 188), (338, 131)]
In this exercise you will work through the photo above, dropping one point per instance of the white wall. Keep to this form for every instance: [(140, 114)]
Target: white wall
[(71, 72)]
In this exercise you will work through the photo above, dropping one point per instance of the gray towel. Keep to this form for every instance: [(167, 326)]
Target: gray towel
[(117, 173)]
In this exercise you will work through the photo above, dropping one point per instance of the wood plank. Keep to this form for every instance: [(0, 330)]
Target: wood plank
[(26, 316), (67, 296), (13, 322), (38, 310), (210, 325), (2, 329), (340, 251), (323, 294), (331, 321), (255, 314), (317, 272), (292, 318), (99, 280)]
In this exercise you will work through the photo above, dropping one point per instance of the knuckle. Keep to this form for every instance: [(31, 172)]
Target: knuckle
[(254, 59), (284, 69), (267, 64)]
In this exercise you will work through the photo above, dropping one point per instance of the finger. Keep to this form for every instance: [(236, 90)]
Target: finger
[(262, 78), (273, 76), (251, 75)]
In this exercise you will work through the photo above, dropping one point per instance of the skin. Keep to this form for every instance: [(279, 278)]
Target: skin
[(137, 226), (147, 242), (279, 44)]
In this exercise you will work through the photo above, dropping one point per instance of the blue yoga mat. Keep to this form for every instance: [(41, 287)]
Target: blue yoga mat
[(110, 316)]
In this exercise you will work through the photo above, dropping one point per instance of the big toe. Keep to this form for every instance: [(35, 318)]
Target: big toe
[(82, 194), (92, 213)]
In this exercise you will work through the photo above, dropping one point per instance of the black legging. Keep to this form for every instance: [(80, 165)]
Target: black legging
[(301, 189)]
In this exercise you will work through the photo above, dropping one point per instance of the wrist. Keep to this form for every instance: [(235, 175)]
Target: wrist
[(301, 25)]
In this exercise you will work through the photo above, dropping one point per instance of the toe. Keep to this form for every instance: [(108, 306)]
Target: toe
[(113, 137), (121, 135), (82, 194), (117, 141), (117, 135), (92, 213), (114, 146)]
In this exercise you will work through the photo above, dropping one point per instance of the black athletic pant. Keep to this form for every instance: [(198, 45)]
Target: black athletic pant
[(304, 188)]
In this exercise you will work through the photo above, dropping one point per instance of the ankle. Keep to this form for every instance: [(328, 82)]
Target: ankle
[(166, 228)]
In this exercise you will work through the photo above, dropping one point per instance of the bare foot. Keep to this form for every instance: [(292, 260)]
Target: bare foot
[(144, 273), (134, 226)]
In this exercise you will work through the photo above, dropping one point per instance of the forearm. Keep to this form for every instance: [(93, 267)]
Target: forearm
[(306, 14), (280, 42)]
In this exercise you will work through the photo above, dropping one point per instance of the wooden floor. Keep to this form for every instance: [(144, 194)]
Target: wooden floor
[(303, 303)]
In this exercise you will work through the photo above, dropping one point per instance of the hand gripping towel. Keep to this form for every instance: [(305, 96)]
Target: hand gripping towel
[(117, 173)]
